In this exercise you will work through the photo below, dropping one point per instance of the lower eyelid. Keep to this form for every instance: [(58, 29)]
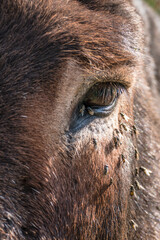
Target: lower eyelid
[(98, 111), (102, 111)]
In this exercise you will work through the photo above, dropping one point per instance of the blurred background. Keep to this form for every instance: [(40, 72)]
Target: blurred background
[(155, 4)]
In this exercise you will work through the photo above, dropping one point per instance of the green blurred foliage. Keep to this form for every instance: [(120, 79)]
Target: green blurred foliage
[(155, 4)]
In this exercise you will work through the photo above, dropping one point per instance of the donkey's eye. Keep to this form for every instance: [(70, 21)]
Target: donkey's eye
[(99, 101)]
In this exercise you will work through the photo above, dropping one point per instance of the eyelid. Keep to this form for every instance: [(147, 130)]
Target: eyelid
[(123, 76), (103, 79), (103, 111)]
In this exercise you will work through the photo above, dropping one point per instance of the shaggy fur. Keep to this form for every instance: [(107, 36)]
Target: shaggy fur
[(52, 180)]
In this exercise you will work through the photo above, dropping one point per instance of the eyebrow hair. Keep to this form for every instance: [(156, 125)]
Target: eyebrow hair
[(121, 75)]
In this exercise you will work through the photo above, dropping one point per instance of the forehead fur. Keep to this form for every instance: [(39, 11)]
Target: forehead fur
[(98, 33)]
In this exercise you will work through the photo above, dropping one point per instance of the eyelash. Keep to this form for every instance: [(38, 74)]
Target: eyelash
[(103, 94)]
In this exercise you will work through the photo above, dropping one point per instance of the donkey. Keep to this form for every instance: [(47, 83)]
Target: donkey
[(79, 120)]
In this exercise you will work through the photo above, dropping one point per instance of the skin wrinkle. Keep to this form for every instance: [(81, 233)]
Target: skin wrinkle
[(52, 181)]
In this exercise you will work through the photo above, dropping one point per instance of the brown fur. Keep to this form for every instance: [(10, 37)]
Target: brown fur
[(52, 181)]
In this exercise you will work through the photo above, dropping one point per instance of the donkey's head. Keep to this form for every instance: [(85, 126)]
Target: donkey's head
[(78, 127)]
